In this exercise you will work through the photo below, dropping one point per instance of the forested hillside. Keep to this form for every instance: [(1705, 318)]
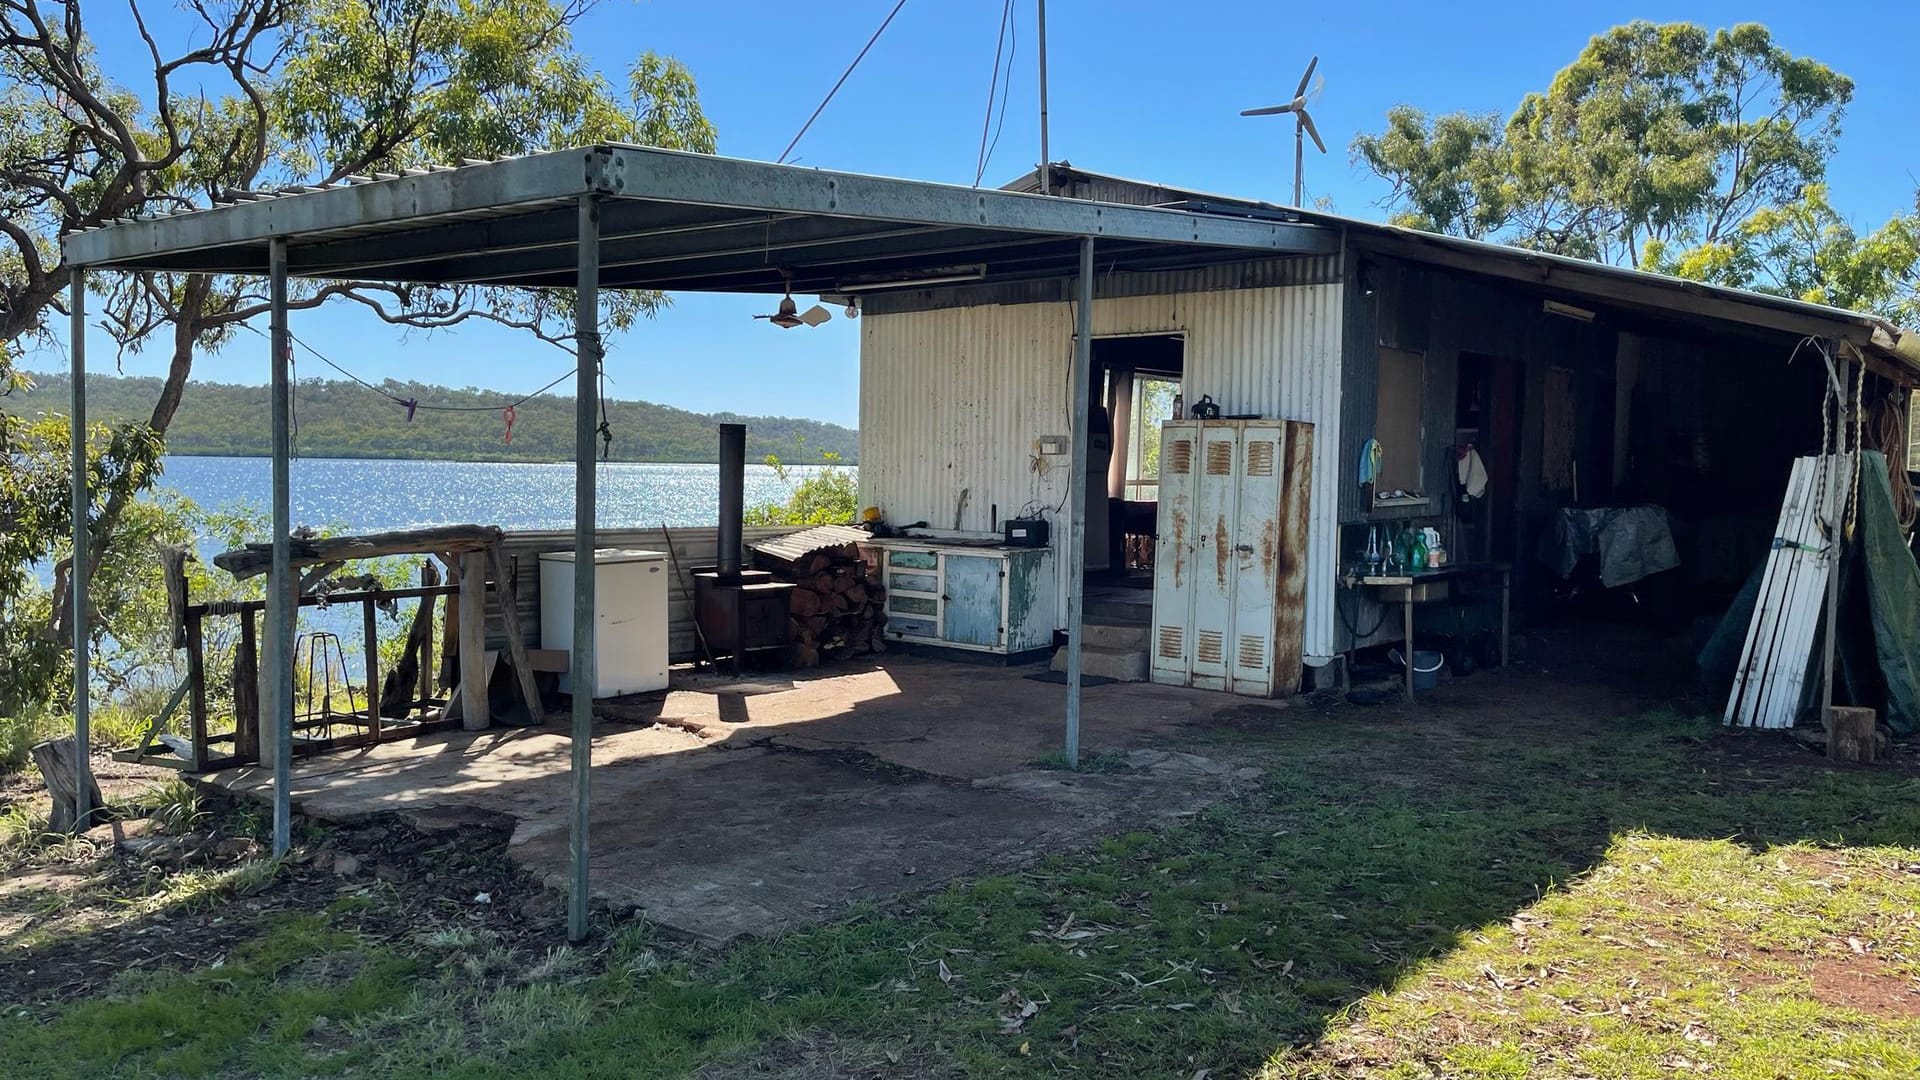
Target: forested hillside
[(342, 419)]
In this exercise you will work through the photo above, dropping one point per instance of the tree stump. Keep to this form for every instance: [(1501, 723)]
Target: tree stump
[(55, 757), (1852, 735)]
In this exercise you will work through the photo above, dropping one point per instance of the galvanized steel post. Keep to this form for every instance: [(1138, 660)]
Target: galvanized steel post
[(586, 327), (77, 578), (282, 600), (1077, 496)]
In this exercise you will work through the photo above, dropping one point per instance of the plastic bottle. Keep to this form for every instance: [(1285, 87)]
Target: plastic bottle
[(1419, 551)]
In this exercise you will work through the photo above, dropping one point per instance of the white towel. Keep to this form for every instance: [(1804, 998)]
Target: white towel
[(1473, 474)]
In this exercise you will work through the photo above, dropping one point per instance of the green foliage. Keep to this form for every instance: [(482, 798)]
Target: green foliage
[(36, 515), (830, 496), (343, 419), (134, 667), (1446, 172), (1666, 147), (1808, 251)]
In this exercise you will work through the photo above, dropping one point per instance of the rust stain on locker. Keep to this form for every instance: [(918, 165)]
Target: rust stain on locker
[(1220, 549), (1179, 544)]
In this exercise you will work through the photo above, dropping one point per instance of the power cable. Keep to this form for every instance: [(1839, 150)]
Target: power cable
[(842, 82), (993, 88)]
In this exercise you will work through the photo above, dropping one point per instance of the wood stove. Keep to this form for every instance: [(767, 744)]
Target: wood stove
[(738, 611)]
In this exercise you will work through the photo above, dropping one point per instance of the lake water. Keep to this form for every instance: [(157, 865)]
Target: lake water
[(372, 495)]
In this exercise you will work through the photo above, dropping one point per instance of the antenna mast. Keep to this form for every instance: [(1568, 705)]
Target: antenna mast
[(1046, 168)]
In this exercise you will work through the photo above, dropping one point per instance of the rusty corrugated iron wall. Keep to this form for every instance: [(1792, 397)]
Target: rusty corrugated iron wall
[(956, 400)]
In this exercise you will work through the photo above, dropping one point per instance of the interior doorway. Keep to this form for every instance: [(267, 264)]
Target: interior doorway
[(1487, 422), (1137, 380)]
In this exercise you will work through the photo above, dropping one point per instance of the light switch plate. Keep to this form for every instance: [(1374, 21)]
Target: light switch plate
[(1052, 444)]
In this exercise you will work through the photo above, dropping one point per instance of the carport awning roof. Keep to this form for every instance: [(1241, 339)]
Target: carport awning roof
[(679, 221)]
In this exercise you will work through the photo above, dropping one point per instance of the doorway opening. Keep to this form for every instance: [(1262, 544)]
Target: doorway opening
[(1137, 380)]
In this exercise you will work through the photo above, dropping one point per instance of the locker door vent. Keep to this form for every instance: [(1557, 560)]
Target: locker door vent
[(1173, 641), (1260, 459), (1180, 457), (1220, 459), (1253, 651), (1211, 646)]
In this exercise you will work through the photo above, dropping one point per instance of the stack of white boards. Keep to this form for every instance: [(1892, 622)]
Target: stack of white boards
[(1771, 682)]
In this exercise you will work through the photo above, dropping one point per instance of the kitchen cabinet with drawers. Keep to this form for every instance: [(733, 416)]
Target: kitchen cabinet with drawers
[(973, 596)]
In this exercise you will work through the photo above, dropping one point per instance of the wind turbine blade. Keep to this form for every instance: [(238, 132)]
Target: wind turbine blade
[(1304, 79), (1268, 111), (1319, 87), (1307, 122), (815, 315)]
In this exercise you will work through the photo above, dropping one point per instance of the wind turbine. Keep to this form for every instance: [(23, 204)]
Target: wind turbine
[(1302, 123)]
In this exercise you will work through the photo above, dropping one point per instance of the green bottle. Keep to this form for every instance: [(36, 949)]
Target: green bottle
[(1419, 550)]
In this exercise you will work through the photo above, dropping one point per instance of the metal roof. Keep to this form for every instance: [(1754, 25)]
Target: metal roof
[(673, 220), (1639, 290)]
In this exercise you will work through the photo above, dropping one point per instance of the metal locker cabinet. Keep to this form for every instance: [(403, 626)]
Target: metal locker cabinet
[(1230, 562), (1256, 548), (1173, 553), (1216, 509)]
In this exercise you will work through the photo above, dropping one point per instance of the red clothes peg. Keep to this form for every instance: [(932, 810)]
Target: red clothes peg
[(507, 415)]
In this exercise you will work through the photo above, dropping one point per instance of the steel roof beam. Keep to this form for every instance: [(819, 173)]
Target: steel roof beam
[(153, 244), (700, 179), (541, 231), (395, 212)]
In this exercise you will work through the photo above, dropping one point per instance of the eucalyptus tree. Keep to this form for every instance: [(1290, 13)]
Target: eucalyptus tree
[(273, 92), (1667, 147)]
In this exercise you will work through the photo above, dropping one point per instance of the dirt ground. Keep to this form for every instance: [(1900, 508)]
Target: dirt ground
[(781, 806), (126, 897), (718, 812)]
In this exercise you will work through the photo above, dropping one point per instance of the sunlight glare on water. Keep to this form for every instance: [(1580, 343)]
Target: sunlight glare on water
[(374, 495)]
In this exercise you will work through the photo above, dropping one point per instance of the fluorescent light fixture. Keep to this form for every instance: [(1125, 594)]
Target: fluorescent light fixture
[(1567, 311), (943, 275)]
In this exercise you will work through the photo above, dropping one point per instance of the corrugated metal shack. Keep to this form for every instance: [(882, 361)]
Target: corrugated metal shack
[(1576, 383)]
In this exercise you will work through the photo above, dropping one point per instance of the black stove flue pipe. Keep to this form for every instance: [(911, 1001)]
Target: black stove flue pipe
[(733, 498)]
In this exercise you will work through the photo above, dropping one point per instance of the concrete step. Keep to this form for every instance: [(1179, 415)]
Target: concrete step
[(1110, 610), (1122, 665), (1117, 635)]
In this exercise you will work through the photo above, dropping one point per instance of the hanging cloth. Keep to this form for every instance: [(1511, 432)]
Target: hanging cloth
[(1369, 462), (1471, 472)]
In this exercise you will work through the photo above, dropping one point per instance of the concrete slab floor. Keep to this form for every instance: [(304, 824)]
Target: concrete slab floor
[(726, 809)]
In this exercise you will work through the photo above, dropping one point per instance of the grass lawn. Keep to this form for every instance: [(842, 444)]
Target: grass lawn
[(1410, 895)]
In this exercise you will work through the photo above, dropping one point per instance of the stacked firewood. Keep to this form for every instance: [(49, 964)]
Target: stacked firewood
[(838, 608)]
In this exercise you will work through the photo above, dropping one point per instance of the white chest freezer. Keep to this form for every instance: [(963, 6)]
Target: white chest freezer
[(630, 617)]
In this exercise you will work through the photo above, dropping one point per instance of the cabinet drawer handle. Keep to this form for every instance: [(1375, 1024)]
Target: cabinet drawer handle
[(1244, 549)]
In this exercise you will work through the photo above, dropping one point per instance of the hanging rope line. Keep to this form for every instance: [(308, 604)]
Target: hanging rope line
[(411, 404), (993, 92), (884, 23)]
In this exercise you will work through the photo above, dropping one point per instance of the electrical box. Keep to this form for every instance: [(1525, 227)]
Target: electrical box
[(1230, 562)]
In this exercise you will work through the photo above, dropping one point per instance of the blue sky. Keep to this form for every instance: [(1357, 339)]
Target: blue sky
[(1146, 89)]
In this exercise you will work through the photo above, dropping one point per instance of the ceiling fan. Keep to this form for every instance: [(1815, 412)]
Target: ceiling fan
[(1302, 122), (789, 315)]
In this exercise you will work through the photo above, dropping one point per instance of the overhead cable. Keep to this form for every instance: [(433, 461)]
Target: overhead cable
[(842, 82)]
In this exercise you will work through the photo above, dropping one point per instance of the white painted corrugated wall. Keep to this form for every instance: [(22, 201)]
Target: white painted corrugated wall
[(957, 399)]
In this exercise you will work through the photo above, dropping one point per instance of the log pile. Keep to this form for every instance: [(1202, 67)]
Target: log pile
[(838, 607)]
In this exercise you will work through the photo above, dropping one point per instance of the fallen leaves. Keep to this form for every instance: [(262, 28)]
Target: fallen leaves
[(1023, 1009)]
